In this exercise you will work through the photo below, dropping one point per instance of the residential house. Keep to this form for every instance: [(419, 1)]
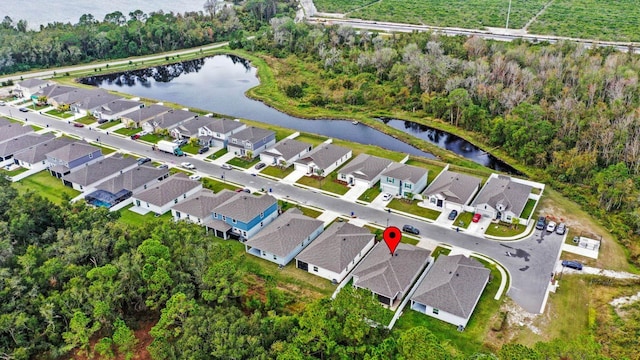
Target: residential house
[(14, 146), (404, 180), (285, 152), (168, 120), (390, 276), (198, 208), (243, 215), (364, 170), (93, 102), (121, 187), (285, 237), (210, 132), (451, 190), (140, 116), (502, 198), (35, 157), (69, 158), (29, 87), (13, 130), (52, 91), (160, 198), (115, 109), (323, 159), (451, 289), (251, 141), (91, 174), (73, 98), (336, 251)]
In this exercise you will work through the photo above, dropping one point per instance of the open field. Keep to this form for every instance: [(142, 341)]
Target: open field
[(590, 19)]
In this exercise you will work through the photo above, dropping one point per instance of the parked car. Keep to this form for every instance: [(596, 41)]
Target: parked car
[(2, 103), (102, 121), (238, 190), (23, 109), (195, 177), (226, 167), (260, 165), (163, 166), (453, 215), (77, 124), (386, 197), (476, 217), (181, 142), (203, 150), (188, 165), (135, 136), (411, 229), (246, 190), (572, 264), (551, 226), (143, 161), (561, 229), (542, 223)]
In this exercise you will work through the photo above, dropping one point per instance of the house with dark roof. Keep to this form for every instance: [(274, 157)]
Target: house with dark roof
[(403, 180), (364, 170), (73, 97), (285, 237), (115, 109), (11, 147), (213, 132), (251, 141), (168, 120), (243, 215), (35, 157), (140, 116), (69, 158), (91, 174), (13, 130), (336, 251), (28, 87), (285, 152), (52, 91), (502, 198), (161, 197), (322, 160), (198, 208), (121, 187), (451, 289), (390, 276), (94, 101), (451, 190)]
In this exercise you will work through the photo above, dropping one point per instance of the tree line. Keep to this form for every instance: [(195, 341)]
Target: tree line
[(569, 111)]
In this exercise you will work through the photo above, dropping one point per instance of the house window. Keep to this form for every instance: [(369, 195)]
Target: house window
[(390, 180), (315, 268), (148, 205), (244, 233), (235, 141), (508, 217), (275, 257), (80, 187), (137, 202), (432, 200), (343, 176), (436, 311), (145, 186), (261, 223), (234, 221), (261, 215), (407, 185), (178, 214), (264, 253), (175, 201), (90, 156), (184, 196), (224, 218), (187, 216)]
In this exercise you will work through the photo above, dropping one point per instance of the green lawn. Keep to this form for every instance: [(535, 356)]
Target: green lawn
[(313, 139), (434, 169), (36, 128), (105, 150), (56, 112), (277, 171), (413, 208), (505, 230), (153, 138), (128, 132), (47, 186), (130, 218), (15, 172), (310, 212), (190, 149), (218, 153), (463, 220), (528, 209), (327, 183), (87, 120), (371, 193), (216, 186), (109, 124), (243, 163)]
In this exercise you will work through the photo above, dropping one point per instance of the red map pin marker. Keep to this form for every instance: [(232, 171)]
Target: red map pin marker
[(392, 237)]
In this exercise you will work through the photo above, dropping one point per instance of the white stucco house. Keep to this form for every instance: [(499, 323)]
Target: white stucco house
[(503, 198), (364, 170), (401, 180), (322, 160), (451, 190), (160, 198), (285, 152)]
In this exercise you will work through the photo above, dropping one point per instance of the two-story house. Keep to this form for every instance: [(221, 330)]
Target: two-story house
[(35, 157), (28, 87), (403, 180), (243, 215), (323, 159), (52, 91), (14, 146), (251, 141), (285, 152), (198, 208), (161, 197), (67, 159)]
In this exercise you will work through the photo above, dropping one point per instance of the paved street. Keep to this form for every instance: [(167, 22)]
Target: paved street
[(530, 262)]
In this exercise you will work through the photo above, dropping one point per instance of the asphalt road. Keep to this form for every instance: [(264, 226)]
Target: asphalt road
[(530, 261)]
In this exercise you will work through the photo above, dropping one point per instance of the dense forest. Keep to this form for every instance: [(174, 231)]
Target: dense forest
[(570, 111)]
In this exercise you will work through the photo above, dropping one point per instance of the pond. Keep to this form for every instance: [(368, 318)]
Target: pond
[(218, 84)]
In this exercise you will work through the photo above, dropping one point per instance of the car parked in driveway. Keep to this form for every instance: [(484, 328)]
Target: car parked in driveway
[(77, 124), (163, 166), (411, 229), (561, 229), (135, 136), (551, 226), (386, 197), (195, 177), (476, 217), (181, 142), (542, 223), (226, 167), (188, 165), (453, 215), (143, 160), (203, 150), (572, 264), (260, 165)]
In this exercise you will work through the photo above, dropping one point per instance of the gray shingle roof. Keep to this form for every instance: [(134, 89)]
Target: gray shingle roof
[(453, 284), (132, 179), (147, 112), (38, 153), (366, 167), (202, 203), (251, 134), (324, 155), (336, 247), (501, 190), (453, 186), (89, 174), (287, 148), (23, 142), (12, 130), (54, 90), (4, 121), (389, 275), (168, 190), (97, 99), (76, 95), (118, 106), (224, 126), (245, 207), (171, 118), (30, 83), (72, 151), (405, 172), (285, 233)]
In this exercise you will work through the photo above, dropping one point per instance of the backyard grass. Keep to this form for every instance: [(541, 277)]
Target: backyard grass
[(11, 173), (313, 139), (46, 186), (528, 209), (472, 339), (412, 207), (128, 132), (434, 169), (277, 171), (58, 113), (109, 124), (503, 229), (87, 120), (243, 162), (130, 218), (216, 186), (328, 183), (218, 153), (371, 193)]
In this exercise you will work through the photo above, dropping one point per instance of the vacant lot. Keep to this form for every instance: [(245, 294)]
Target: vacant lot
[(340, 6), (590, 19)]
